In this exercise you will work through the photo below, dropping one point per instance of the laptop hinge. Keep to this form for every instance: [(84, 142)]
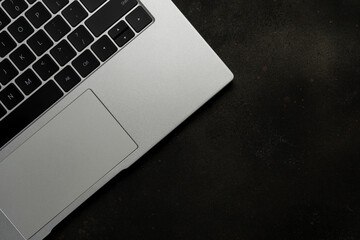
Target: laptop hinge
[(7, 230)]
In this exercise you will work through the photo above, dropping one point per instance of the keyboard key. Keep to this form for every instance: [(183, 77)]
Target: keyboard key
[(38, 15), (80, 38), (118, 29), (22, 57), (74, 13), (28, 111), (63, 52), (21, 29), (121, 33), (7, 72), (139, 19), (67, 79), (6, 44), (108, 15), (55, 5), (28, 82), (92, 5), (86, 63), (40, 42), (31, 1), (124, 37), (11, 96), (45, 67), (4, 20), (2, 111), (57, 28), (104, 48), (14, 7)]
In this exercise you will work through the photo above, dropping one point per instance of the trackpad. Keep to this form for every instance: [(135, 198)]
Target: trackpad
[(60, 162)]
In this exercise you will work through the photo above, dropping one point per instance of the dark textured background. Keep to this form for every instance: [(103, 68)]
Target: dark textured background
[(273, 156)]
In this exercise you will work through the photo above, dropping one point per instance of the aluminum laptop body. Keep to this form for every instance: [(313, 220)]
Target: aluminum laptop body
[(105, 122)]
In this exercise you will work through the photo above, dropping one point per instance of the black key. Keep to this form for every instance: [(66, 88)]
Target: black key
[(118, 29), (22, 57), (38, 15), (28, 111), (40, 42), (139, 19), (86, 63), (31, 1), (104, 48), (56, 5), (45, 67), (124, 37), (6, 44), (92, 5), (4, 20), (57, 28), (80, 38), (14, 7), (74, 13), (67, 79), (110, 13), (11, 96), (2, 111), (7, 72), (28, 82), (121, 33), (21, 29), (63, 52)]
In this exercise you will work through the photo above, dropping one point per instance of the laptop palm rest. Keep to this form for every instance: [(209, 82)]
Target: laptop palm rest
[(7, 230), (60, 162)]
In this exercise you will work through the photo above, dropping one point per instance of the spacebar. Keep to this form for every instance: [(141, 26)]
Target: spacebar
[(111, 12), (28, 111)]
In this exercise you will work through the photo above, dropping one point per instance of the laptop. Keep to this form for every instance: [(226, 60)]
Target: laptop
[(86, 88)]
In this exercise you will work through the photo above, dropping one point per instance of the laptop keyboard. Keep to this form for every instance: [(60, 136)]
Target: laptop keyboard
[(49, 47)]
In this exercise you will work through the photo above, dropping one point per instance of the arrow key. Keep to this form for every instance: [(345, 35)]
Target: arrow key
[(121, 33), (124, 37), (118, 29), (104, 48), (139, 19), (45, 67)]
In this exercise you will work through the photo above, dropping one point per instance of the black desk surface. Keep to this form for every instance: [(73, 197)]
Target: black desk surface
[(273, 156)]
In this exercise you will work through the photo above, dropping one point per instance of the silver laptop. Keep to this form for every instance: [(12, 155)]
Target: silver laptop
[(86, 88)]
